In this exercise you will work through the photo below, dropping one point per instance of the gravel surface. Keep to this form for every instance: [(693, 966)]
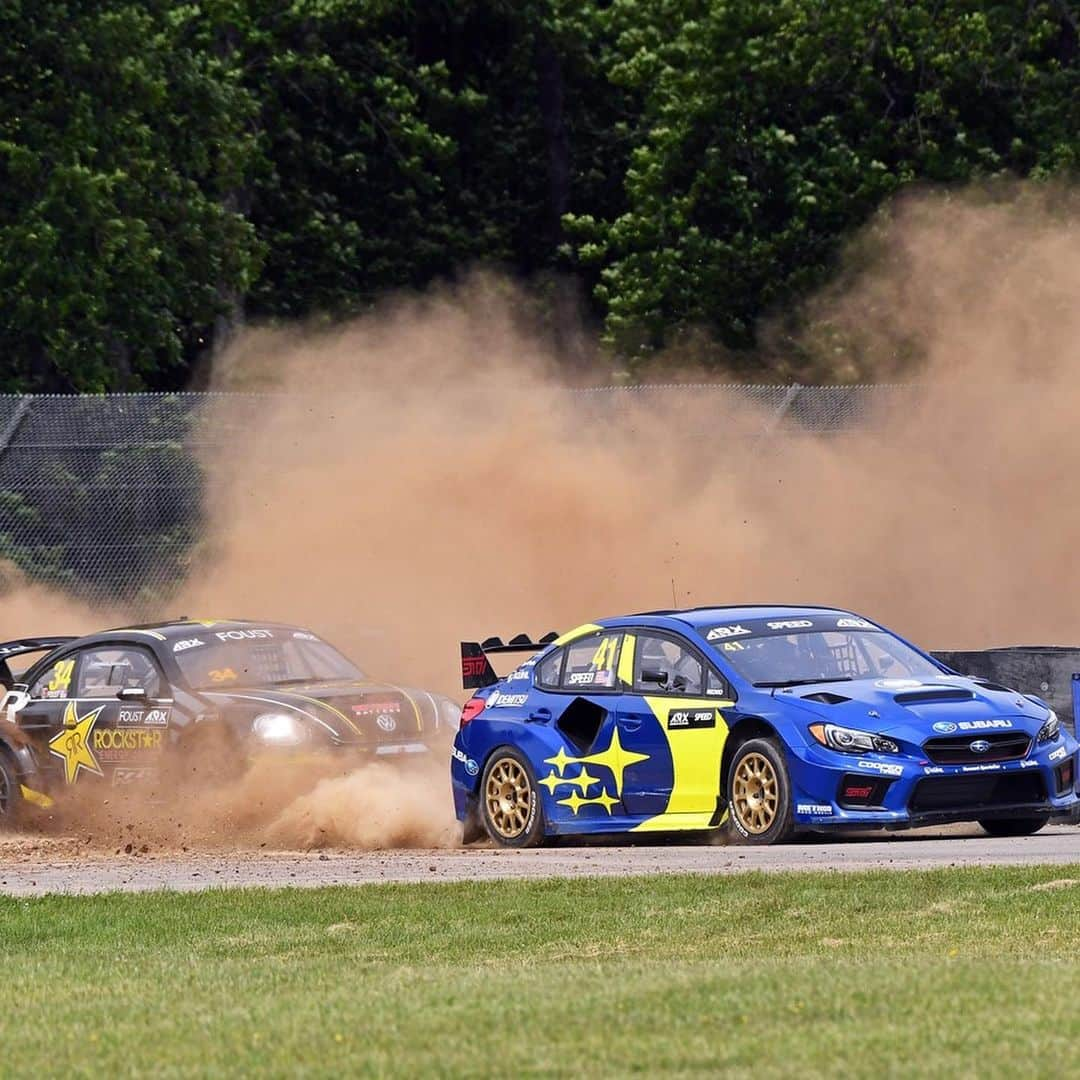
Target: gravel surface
[(32, 866)]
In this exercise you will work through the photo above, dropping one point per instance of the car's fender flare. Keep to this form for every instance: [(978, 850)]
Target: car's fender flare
[(744, 728)]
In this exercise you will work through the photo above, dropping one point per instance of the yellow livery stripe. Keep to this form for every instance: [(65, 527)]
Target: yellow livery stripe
[(37, 798), (578, 631)]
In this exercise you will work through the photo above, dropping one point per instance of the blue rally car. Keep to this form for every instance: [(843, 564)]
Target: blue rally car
[(774, 720)]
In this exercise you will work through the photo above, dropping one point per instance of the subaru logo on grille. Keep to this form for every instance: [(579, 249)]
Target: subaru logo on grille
[(979, 746), (388, 723), (946, 727)]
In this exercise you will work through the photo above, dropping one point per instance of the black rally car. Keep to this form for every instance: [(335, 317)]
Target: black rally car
[(123, 706)]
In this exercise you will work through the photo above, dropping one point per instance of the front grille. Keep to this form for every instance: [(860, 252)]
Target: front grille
[(956, 749), (975, 792), (382, 717)]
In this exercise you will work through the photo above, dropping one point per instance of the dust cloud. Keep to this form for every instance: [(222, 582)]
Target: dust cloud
[(424, 475)]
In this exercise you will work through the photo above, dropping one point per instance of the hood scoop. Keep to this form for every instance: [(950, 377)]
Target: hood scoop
[(933, 694), (825, 698)]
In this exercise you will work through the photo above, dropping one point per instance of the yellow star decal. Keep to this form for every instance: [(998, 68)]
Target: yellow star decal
[(583, 780), (73, 743), (614, 758), (575, 802)]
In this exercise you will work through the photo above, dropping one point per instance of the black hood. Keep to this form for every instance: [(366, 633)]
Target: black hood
[(354, 713)]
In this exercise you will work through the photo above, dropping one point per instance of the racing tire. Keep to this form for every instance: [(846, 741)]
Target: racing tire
[(1013, 826), (11, 800), (510, 806), (759, 794)]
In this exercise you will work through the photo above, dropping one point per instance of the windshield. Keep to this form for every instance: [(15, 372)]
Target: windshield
[(778, 658), (273, 658)]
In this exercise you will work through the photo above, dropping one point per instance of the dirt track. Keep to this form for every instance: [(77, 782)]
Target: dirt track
[(32, 866)]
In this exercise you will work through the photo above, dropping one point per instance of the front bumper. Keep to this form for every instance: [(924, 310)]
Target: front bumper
[(834, 791)]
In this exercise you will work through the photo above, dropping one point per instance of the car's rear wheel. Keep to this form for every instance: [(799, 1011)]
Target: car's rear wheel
[(510, 802), (11, 800), (759, 793), (1022, 826)]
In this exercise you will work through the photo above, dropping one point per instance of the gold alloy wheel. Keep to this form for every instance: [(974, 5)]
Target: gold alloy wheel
[(755, 793), (509, 798)]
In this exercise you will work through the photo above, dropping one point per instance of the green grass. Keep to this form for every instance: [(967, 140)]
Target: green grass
[(950, 973)]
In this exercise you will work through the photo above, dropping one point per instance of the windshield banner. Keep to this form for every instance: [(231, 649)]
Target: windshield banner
[(800, 625)]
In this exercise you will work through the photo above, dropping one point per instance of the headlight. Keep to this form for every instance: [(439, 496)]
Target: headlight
[(279, 729), (851, 741), (449, 714), (1050, 730)]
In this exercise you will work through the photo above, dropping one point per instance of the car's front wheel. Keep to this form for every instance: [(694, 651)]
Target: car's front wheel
[(759, 793), (1012, 826), (510, 802)]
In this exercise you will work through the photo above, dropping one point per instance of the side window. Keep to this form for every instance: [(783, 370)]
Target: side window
[(549, 669), (103, 672), (715, 686), (591, 663), (56, 682), (666, 666)]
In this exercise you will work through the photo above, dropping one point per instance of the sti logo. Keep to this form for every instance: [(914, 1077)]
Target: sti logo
[(473, 665)]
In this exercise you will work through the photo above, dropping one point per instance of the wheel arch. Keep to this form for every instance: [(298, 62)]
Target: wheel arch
[(745, 729)]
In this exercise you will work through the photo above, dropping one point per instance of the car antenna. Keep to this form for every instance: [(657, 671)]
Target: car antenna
[(674, 598)]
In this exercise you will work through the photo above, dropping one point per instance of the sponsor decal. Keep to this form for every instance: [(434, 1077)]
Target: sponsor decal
[(242, 635), (123, 776), (108, 739), (147, 717), (303, 635), (1057, 755), (373, 708), (933, 770), (518, 675), (581, 678), (73, 743), (819, 809), (882, 767), (897, 684), (470, 764), (1029, 764), (188, 643), (790, 624), (982, 725), (499, 700), (473, 665), (850, 622), (691, 718), (981, 768), (718, 633), (386, 722)]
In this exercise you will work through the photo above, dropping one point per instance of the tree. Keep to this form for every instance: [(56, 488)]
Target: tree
[(774, 129), (119, 141)]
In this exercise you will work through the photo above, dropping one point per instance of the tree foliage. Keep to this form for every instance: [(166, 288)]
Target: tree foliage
[(167, 169)]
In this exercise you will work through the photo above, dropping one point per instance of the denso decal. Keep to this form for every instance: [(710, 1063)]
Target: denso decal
[(817, 809), (188, 643), (790, 624), (691, 718), (718, 633), (471, 766), (241, 635), (1058, 754), (506, 701), (882, 767)]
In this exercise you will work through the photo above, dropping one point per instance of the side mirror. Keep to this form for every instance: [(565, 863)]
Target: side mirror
[(654, 675), (132, 693)]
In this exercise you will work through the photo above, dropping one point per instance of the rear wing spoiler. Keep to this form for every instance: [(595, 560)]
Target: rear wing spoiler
[(1050, 672), (9, 649), (476, 670)]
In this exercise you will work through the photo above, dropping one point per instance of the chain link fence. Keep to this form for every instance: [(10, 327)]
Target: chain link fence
[(103, 496)]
